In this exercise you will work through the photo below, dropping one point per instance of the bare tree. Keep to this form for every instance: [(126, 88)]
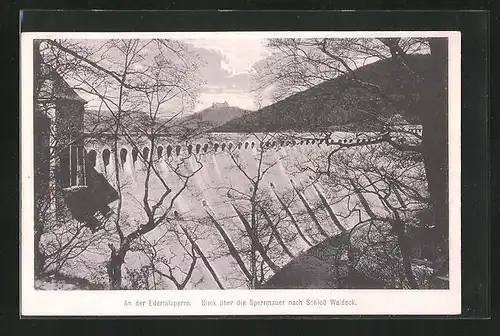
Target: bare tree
[(142, 86), (59, 238), (384, 194), (262, 239), (166, 266), (174, 254)]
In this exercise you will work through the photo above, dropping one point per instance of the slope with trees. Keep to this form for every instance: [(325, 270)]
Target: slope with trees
[(416, 90)]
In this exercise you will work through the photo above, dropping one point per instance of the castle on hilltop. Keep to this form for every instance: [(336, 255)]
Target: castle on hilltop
[(217, 105)]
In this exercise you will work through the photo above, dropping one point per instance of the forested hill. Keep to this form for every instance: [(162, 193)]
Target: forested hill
[(103, 121), (341, 103), (214, 116)]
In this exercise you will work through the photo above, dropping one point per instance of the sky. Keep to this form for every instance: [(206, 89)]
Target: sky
[(226, 73), (227, 70)]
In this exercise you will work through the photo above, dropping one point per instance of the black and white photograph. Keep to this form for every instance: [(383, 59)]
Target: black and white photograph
[(252, 164)]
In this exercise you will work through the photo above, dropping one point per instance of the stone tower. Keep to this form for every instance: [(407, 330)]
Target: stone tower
[(62, 175)]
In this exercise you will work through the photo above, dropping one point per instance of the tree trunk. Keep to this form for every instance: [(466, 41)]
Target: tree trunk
[(114, 267), (433, 112), (405, 248), (38, 227), (253, 242), (115, 273), (39, 256)]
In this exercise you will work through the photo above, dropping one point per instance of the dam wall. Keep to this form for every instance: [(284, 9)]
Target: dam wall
[(205, 187)]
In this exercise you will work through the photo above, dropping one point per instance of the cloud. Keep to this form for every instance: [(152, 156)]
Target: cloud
[(226, 71), (215, 73), (238, 54)]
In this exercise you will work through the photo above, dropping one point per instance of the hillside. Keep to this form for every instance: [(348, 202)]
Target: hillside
[(339, 102), (214, 116)]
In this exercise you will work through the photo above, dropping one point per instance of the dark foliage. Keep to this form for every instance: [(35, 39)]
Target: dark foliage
[(342, 101)]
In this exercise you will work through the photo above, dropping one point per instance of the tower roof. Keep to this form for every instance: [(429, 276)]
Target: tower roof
[(54, 87)]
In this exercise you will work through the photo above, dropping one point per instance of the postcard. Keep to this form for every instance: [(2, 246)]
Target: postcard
[(240, 173)]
